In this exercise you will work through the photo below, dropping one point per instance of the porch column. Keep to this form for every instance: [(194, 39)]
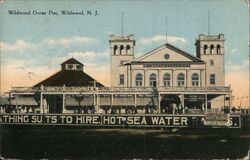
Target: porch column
[(112, 99), (158, 79), (224, 103), (200, 83), (182, 103), (41, 103), (159, 103), (230, 100), (186, 78), (63, 104), (144, 78), (94, 99), (97, 102), (205, 103), (135, 101)]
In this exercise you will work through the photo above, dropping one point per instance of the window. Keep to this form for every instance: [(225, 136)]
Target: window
[(181, 79), (205, 49), (122, 79), (138, 79), (69, 66), (166, 79), (218, 49), (211, 62), (195, 79), (78, 67), (212, 79), (128, 49), (152, 80), (115, 49), (212, 49), (121, 49), (166, 56)]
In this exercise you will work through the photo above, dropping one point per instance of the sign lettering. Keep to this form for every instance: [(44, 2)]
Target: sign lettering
[(146, 120)]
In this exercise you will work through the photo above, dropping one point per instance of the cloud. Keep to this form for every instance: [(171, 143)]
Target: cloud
[(84, 57), (18, 46), (89, 55), (108, 32), (162, 39), (69, 41), (243, 67), (23, 45), (16, 73), (233, 50)]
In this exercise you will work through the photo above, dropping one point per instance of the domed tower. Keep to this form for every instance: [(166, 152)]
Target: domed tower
[(211, 50), (121, 51)]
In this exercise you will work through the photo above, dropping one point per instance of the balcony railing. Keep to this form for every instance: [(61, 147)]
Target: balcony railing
[(120, 89)]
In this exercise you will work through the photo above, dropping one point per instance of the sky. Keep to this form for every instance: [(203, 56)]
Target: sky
[(32, 47)]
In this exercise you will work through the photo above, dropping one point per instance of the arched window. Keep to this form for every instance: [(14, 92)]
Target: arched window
[(205, 49), (166, 79), (128, 49), (212, 49), (195, 79), (152, 80), (115, 49), (181, 79), (121, 49), (138, 79), (218, 49)]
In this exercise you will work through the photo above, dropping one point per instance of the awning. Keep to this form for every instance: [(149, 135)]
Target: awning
[(26, 101), (4, 101), (143, 100), (104, 100), (123, 100), (79, 101)]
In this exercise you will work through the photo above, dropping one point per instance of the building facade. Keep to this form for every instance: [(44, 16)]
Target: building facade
[(166, 80), (167, 65)]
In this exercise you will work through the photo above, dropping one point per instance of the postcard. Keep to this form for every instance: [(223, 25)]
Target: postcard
[(94, 79)]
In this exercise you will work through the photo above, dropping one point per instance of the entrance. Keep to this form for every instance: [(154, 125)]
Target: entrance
[(170, 104), (55, 103)]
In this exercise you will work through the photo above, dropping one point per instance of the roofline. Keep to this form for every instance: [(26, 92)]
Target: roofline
[(181, 51), (36, 85), (40, 83), (69, 59), (160, 47), (147, 54)]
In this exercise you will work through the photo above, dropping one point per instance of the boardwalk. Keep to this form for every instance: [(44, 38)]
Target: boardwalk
[(75, 142)]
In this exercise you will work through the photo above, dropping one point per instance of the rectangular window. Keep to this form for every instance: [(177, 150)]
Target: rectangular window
[(138, 83), (181, 83), (211, 62), (166, 83), (78, 67), (69, 66), (212, 79), (153, 84), (122, 81), (195, 83)]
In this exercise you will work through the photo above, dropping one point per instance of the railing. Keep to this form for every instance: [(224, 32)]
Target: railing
[(127, 89), (130, 37), (204, 88), (194, 111)]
